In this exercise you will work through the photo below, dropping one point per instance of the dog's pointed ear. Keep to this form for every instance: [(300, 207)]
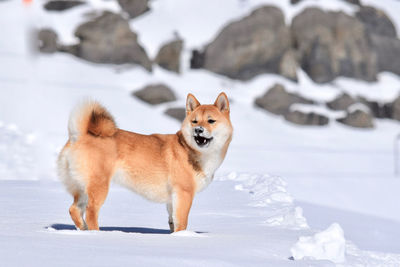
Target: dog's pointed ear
[(191, 104), (222, 102)]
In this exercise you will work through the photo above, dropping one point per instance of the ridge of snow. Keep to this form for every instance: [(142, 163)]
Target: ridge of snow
[(270, 192)]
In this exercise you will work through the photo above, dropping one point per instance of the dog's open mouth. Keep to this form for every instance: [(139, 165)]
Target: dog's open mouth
[(202, 141)]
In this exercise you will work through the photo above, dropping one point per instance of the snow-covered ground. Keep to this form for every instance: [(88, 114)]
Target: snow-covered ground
[(279, 181), (228, 227)]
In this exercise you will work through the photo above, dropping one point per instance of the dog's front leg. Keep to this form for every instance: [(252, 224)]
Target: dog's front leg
[(181, 203)]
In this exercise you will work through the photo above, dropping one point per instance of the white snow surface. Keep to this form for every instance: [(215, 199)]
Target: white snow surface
[(17, 153), (278, 182), (329, 244)]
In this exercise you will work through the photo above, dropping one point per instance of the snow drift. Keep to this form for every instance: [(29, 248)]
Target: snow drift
[(329, 244)]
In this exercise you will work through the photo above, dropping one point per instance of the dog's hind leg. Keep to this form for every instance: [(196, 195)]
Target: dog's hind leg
[(74, 186), (170, 218), (97, 193), (77, 209)]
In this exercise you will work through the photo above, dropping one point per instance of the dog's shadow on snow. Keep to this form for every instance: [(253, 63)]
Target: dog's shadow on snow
[(138, 230)]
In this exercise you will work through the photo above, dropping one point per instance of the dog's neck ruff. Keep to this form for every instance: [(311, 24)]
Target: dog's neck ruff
[(206, 163)]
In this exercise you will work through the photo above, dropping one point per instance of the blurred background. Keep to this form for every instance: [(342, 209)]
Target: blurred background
[(314, 88)]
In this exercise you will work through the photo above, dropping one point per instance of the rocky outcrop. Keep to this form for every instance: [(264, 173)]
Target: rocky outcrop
[(383, 38), (276, 100), (47, 41), (177, 113), (306, 118), (342, 102), (325, 44), (134, 8), (108, 39), (61, 5), (332, 44), (155, 94), (253, 45), (357, 118), (169, 56)]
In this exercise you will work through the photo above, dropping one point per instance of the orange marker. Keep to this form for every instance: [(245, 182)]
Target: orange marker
[(27, 2)]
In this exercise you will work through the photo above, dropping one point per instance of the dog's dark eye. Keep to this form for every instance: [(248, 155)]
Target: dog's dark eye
[(211, 121), (194, 121)]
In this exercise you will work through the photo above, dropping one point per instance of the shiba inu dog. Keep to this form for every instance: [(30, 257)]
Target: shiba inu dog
[(168, 168)]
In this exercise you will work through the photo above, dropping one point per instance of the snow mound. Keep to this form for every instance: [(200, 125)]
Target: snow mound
[(270, 191), (292, 218), (326, 245), (16, 157), (187, 233)]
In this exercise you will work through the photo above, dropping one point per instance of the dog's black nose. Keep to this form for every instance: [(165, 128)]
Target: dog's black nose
[(198, 130)]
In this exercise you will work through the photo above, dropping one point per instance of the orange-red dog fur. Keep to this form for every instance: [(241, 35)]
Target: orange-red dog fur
[(169, 168)]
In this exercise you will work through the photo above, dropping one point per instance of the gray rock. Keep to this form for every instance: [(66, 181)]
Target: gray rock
[(169, 56), (332, 44), (379, 110), (302, 118), (155, 94), (61, 5), (197, 59), (71, 49), (387, 50), (134, 7), (383, 38), (342, 102), (253, 45), (358, 118), (47, 41), (276, 100), (288, 65), (354, 2), (394, 108), (177, 113), (109, 39), (376, 21)]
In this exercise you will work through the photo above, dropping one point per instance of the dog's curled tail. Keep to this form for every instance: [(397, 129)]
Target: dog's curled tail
[(89, 117)]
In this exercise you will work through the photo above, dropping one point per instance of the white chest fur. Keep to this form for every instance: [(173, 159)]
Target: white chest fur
[(210, 164)]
